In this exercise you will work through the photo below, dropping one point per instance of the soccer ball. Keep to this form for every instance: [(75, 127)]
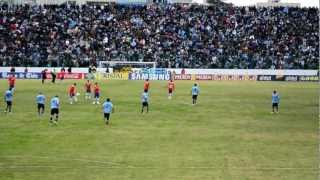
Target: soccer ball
[(78, 94)]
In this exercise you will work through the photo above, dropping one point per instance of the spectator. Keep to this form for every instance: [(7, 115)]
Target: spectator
[(173, 35), (12, 70), (183, 71)]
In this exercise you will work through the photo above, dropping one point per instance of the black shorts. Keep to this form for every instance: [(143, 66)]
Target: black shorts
[(194, 97), (40, 106), (54, 111), (275, 104), (145, 104), (9, 103), (11, 86), (170, 91), (106, 115), (88, 91)]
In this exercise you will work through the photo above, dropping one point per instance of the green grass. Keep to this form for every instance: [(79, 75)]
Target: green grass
[(230, 134)]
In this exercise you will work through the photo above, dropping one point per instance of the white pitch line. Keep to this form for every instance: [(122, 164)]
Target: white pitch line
[(63, 158), (120, 166), (112, 167)]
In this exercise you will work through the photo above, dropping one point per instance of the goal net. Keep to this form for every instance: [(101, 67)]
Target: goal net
[(120, 66)]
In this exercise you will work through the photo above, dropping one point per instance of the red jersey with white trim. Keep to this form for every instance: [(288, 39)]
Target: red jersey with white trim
[(11, 80), (146, 85), (88, 86), (171, 85), (96, 89), (72, 90)]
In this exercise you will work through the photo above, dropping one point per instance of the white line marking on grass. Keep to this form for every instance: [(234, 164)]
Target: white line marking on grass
[(128, 167), (122, 166), (65, 159)]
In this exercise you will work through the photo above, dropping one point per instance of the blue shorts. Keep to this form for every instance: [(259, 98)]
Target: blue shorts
[(96, 95)]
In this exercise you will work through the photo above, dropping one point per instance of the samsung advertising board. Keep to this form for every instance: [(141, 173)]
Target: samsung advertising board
[(144, 76)]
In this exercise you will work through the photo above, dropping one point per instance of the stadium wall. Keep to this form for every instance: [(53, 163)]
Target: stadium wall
[(176, 74), (187, 71)]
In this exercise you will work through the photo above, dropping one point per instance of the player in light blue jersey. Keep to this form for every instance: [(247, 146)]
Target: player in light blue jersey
[(195, 92), (8, 98), (107, 110), (145, 100), (55, 105), (41, 101), (275, 102)]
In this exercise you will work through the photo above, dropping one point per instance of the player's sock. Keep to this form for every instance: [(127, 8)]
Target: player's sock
[(56, 120)]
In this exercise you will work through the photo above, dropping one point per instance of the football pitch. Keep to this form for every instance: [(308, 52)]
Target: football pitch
[(230, 134)]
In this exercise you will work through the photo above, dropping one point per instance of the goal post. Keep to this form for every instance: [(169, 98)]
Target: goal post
[(125, 65)]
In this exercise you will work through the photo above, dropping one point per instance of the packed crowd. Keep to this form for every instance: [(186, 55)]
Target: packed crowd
[(173, 35)]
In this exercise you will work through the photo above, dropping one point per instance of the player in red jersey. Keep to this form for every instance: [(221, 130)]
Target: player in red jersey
[(146, 85), (72, 93), (88, 88), (171, 88), (12, 82), (62, 74), (96, 90)]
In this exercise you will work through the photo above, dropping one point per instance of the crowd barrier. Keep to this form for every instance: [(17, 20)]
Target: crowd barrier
[(37, 75), (21, 75), (164, 76), (144, 76), (115, 76), (225, 77), (287, 78)]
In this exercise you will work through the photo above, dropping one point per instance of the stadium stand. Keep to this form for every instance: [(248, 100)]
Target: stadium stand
[(173, 35)]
